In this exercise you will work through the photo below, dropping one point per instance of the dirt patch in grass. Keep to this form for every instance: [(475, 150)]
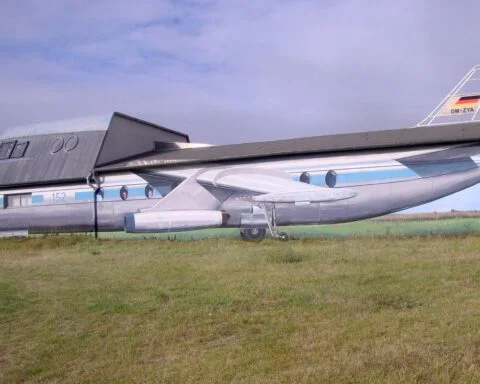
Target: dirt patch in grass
[(284, 255)]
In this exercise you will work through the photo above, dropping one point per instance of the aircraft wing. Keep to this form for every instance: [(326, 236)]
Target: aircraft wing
[(278, 187), (443, 162), (198, 191), (159, 180)]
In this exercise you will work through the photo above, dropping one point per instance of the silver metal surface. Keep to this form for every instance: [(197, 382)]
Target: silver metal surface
[(67, 151)]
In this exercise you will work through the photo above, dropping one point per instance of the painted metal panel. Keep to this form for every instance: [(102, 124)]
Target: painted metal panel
[(42, 165), (319, 145)]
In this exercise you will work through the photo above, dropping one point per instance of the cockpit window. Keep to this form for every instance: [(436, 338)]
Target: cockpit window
[(6, 149), (19, 150)]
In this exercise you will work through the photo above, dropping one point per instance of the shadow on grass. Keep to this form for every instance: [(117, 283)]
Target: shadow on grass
[(285, 255), (382, 300)]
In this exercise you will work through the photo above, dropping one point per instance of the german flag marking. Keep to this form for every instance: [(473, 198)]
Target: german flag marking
[(467, 101)]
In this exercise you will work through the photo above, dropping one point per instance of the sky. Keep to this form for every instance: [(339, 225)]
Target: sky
[(232, 71)]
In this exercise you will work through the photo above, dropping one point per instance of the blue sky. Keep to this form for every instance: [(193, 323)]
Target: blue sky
[(466, 200), (233, 71)]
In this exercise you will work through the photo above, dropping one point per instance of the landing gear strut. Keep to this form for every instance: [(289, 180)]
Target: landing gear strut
[(258, 233), (270, 214)]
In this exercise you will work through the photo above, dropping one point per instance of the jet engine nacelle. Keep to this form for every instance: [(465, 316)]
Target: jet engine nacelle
[(173, 221), (329, 179)]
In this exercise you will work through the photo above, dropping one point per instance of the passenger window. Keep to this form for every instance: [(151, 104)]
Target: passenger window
[(124, 193), (6, 149), (305, 178), (149, 191)]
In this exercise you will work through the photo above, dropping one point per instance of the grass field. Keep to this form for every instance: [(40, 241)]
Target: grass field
[(393, 226), (361, 310)]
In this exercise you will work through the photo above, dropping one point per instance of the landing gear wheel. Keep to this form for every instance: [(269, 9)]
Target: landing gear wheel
[(283, 236), (252, 234)]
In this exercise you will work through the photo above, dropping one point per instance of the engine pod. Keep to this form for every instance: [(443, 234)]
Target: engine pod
[(173, 221)]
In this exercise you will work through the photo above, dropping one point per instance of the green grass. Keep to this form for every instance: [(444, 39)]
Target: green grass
[(364, 310), (366, 228)]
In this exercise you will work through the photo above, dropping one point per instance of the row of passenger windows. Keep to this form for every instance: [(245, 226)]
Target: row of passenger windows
[(13, 149), (149, 192), (124, 193)]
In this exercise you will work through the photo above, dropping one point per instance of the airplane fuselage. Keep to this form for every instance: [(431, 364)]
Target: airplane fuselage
[(381, 183)]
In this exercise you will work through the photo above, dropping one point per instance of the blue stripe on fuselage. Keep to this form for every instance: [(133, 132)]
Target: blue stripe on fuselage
[(111, 194), (114, 194), (377, 175), (37, 199), (84, 196), (136, 192), (365, 176)]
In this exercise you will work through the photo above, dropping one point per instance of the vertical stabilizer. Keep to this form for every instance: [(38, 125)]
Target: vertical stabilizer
[(461, 105)]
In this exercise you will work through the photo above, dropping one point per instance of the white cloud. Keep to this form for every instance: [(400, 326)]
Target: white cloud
[(229, 71)]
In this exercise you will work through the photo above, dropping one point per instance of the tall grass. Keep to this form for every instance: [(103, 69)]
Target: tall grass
[(388, 226), (367, 310)]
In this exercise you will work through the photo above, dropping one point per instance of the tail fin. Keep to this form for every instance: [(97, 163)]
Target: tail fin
[(461, 105)]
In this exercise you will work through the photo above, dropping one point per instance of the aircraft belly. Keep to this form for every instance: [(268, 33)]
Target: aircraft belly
[(77, 217), (44, 219), (383, 199), (111, 214), (378, 199)]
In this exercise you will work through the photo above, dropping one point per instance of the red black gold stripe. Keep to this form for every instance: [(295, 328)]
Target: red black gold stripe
[(467, 101)]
